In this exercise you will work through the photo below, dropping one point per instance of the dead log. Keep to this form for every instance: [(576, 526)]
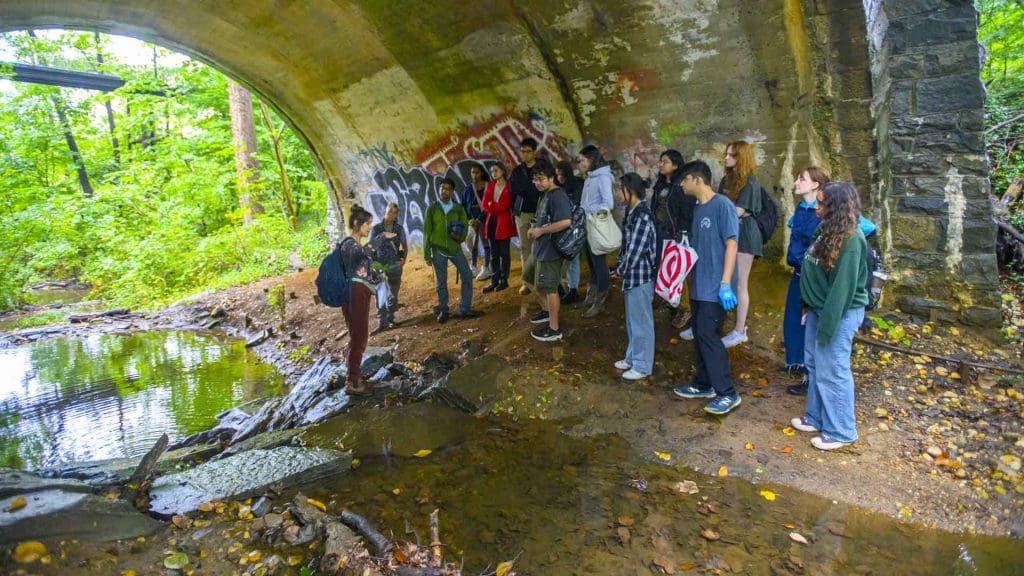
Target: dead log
[(138, 483), (379, 545), (957, 361), (77, 318), (435, 537)]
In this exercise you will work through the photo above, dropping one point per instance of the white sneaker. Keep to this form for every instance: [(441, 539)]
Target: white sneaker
[(622, 365), (825, 443), (633, 375), (485, 273), (802, 425), (734, 338), (686, 334)]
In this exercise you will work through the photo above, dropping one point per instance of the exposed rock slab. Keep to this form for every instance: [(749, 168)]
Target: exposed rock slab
[(119, 470), (472, 387), (18, 482), (54, 514), (244, 475)]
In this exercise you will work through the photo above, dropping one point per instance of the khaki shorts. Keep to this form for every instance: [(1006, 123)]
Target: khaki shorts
[(545, 276)]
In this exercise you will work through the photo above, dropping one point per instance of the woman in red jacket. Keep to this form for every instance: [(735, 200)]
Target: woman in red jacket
[(500, 227)]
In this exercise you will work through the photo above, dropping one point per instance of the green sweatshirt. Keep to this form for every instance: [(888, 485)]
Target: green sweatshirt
[(831, 293), (435, 229)]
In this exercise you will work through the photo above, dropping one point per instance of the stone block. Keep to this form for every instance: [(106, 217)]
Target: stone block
[(896, 9), (921, 306), (952, 58), (980, 270), (932, 28), (948, 93), (937, 142), (901, 98), (914, 233), (982, 316), (922, 205)]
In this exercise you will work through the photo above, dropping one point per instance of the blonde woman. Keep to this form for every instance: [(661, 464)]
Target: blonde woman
[(741, 186)]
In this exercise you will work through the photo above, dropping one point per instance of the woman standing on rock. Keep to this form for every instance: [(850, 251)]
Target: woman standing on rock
[(358, 266), (499, 226), (596, 196), (741, 186), (833, 287)]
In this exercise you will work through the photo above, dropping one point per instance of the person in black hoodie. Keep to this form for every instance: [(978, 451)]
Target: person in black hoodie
[(524, 198), (573, 186), (673, 212)]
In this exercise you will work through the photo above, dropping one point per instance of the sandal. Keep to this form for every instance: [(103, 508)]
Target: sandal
[(356, 388)]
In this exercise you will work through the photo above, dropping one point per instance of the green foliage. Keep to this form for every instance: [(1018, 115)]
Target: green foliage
[(164, 221), (301, 356), (1001, 31)]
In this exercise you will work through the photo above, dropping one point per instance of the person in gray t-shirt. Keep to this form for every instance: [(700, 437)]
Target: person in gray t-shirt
[(712, 293)]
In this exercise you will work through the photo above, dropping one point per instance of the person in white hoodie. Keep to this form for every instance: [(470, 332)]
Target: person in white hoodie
[(597, 196)]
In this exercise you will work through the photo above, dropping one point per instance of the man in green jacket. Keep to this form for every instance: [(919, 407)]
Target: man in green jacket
[(444, 229)]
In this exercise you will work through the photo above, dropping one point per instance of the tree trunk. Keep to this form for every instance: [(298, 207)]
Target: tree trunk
[(286, 188), (243, 134), (69, 137), (110, 109)]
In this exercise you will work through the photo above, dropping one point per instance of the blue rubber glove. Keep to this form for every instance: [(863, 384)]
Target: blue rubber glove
[(726, 296)]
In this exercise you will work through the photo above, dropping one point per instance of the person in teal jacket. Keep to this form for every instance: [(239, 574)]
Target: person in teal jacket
[(444, 229), (833, 288)]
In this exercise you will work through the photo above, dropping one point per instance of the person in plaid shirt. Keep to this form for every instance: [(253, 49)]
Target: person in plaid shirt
[(637, 269)]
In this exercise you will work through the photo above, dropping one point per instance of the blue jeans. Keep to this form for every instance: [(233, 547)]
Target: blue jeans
[(792, 330), (440, 262), (572, 273), (830, 395), (640, 328)]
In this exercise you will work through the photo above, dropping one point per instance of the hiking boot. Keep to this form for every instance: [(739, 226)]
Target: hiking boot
[(442, 316), (723, 404), (382, 326), (503, 285), (541, 317), (491, 288), (802, 424), (622, 365), (485, 273), (546, 334), (591, 294), (823, 442), (470, 314), (692, 391), (792, 369), (571, 297), (597, 306), (734, 338), (686, 334)]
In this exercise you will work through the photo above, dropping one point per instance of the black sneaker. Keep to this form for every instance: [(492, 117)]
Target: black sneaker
[(571, 297), (541, 317), (442, 317), (546, 334), (801, 388), (471, 314)]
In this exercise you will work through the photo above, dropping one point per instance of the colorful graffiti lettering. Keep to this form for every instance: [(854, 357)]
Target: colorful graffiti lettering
[(452, 156)]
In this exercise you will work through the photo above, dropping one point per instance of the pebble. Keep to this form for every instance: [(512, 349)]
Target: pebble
[(934, 451)]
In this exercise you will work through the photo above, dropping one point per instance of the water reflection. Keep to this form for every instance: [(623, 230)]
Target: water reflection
[(108, 396)]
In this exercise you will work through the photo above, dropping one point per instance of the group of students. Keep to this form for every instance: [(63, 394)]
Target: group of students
[(824, 305)]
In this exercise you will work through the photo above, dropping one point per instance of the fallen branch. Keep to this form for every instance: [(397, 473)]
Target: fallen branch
[(379, 544), (139, 481), (77, 318), (1009, 229), (1005, 123), (435, 536), (949, 359)]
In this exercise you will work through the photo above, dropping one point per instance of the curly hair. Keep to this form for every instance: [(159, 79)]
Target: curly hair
[(736, 177), (842, 212)]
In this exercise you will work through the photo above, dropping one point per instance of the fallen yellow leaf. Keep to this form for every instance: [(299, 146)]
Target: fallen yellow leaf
[(687, 566), (128, 572), (723, 471), (789, 431), (28, 552), (396, 491), (674, 341), (17, 504), (626, 521), (954, 331), (317, 504), (768, 495), (663, 455), (423, 453), (504, 569), (709, 534), (749, 446)]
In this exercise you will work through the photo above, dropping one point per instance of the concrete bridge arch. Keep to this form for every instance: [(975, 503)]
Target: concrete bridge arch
[(389, 95)]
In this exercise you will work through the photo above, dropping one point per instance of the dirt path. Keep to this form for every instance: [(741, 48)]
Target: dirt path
[(905, 408)]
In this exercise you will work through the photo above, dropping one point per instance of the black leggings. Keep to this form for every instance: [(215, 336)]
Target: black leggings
[(500, 259), (598, 265)]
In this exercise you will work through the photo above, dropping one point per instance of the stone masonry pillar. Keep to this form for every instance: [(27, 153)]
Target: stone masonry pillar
[(933, 185)]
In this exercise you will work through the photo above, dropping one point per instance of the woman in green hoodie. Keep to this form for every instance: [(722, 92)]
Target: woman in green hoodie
[(832, 288)]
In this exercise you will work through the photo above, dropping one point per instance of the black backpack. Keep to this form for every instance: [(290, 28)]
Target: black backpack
[(569, 242), (332, 282), (768, 218)]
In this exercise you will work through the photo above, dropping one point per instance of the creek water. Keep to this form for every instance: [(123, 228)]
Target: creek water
[(108, 396), (592, 505)]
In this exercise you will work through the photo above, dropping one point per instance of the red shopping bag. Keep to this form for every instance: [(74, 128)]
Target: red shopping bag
[(677, 259)]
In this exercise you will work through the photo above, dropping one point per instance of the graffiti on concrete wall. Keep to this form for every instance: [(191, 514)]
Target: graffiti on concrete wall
[(415, 187)]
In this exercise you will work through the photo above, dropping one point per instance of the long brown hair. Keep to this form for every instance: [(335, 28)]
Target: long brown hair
[(736, 177), (842, 213)]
